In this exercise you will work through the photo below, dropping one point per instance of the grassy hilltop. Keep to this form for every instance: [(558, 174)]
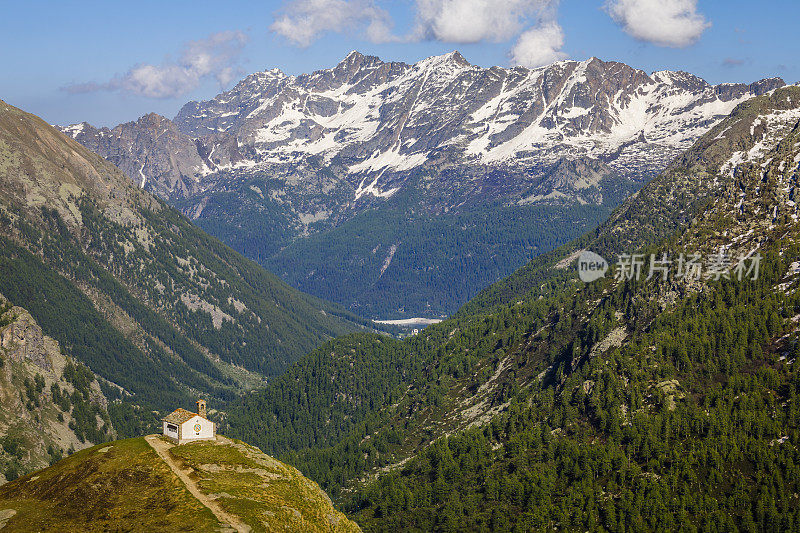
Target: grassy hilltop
[(125, 485)]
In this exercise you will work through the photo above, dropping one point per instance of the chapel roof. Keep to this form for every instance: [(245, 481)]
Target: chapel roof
[(179, 416)]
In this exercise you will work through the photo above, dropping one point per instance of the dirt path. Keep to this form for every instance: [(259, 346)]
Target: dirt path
[(162, 447)]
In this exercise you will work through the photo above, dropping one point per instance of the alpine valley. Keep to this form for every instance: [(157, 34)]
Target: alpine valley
[(628, 403), (115, 309), (402, 190)]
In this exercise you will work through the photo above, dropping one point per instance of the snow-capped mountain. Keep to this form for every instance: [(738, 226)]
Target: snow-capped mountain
[(371, 119), (420, 184)]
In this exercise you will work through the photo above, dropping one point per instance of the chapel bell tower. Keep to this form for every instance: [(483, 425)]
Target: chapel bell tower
[(201, 408)]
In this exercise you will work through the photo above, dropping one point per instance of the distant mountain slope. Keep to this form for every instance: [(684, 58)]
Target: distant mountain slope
[(124, 485), (130, 287), (397, 262), (131, 148), (555, 403), (469, 157)]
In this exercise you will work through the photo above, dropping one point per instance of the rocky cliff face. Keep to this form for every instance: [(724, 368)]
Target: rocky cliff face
[(23, 341), (37, 424), (149, 148)]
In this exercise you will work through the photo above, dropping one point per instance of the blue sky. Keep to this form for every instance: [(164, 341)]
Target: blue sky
[(109, 62)]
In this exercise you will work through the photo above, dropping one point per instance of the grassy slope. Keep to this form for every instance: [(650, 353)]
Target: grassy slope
[(267, 494), (124, 485)]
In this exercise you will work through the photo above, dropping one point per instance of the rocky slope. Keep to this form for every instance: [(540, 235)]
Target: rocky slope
[(125, 485), (130, 287), (279, 158), (154, 142), (49, 405)]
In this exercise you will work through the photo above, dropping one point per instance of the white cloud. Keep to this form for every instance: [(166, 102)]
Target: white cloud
[(539, 46), (674, 23), (453, 21), (472, 21), (214, 57), (303, 21)]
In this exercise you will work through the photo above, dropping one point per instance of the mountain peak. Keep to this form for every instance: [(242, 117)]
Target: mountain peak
[(356, 58), (153, 118), (766, 85), (353, 55), (456, 57), (73, 130), (453, 58)]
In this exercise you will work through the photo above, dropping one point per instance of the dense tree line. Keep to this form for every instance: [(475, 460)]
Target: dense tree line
[(321, 397), (319, 414)]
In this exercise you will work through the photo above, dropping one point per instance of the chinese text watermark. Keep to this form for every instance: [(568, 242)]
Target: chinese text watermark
[(686, 266)]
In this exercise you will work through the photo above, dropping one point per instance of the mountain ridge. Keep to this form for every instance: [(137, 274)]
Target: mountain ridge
[(256, 99)]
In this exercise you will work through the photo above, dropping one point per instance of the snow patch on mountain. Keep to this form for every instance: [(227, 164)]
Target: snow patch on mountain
[(74, 130), (775, 126)]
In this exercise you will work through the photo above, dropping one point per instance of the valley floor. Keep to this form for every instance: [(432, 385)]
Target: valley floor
[(411, 322)]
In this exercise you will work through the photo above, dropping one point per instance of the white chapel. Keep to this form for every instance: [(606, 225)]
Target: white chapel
[(181, 426)]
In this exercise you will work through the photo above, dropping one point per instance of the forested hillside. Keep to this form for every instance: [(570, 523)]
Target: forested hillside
[(131, 288), (692, 421), (397, 259), (621, 404)]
